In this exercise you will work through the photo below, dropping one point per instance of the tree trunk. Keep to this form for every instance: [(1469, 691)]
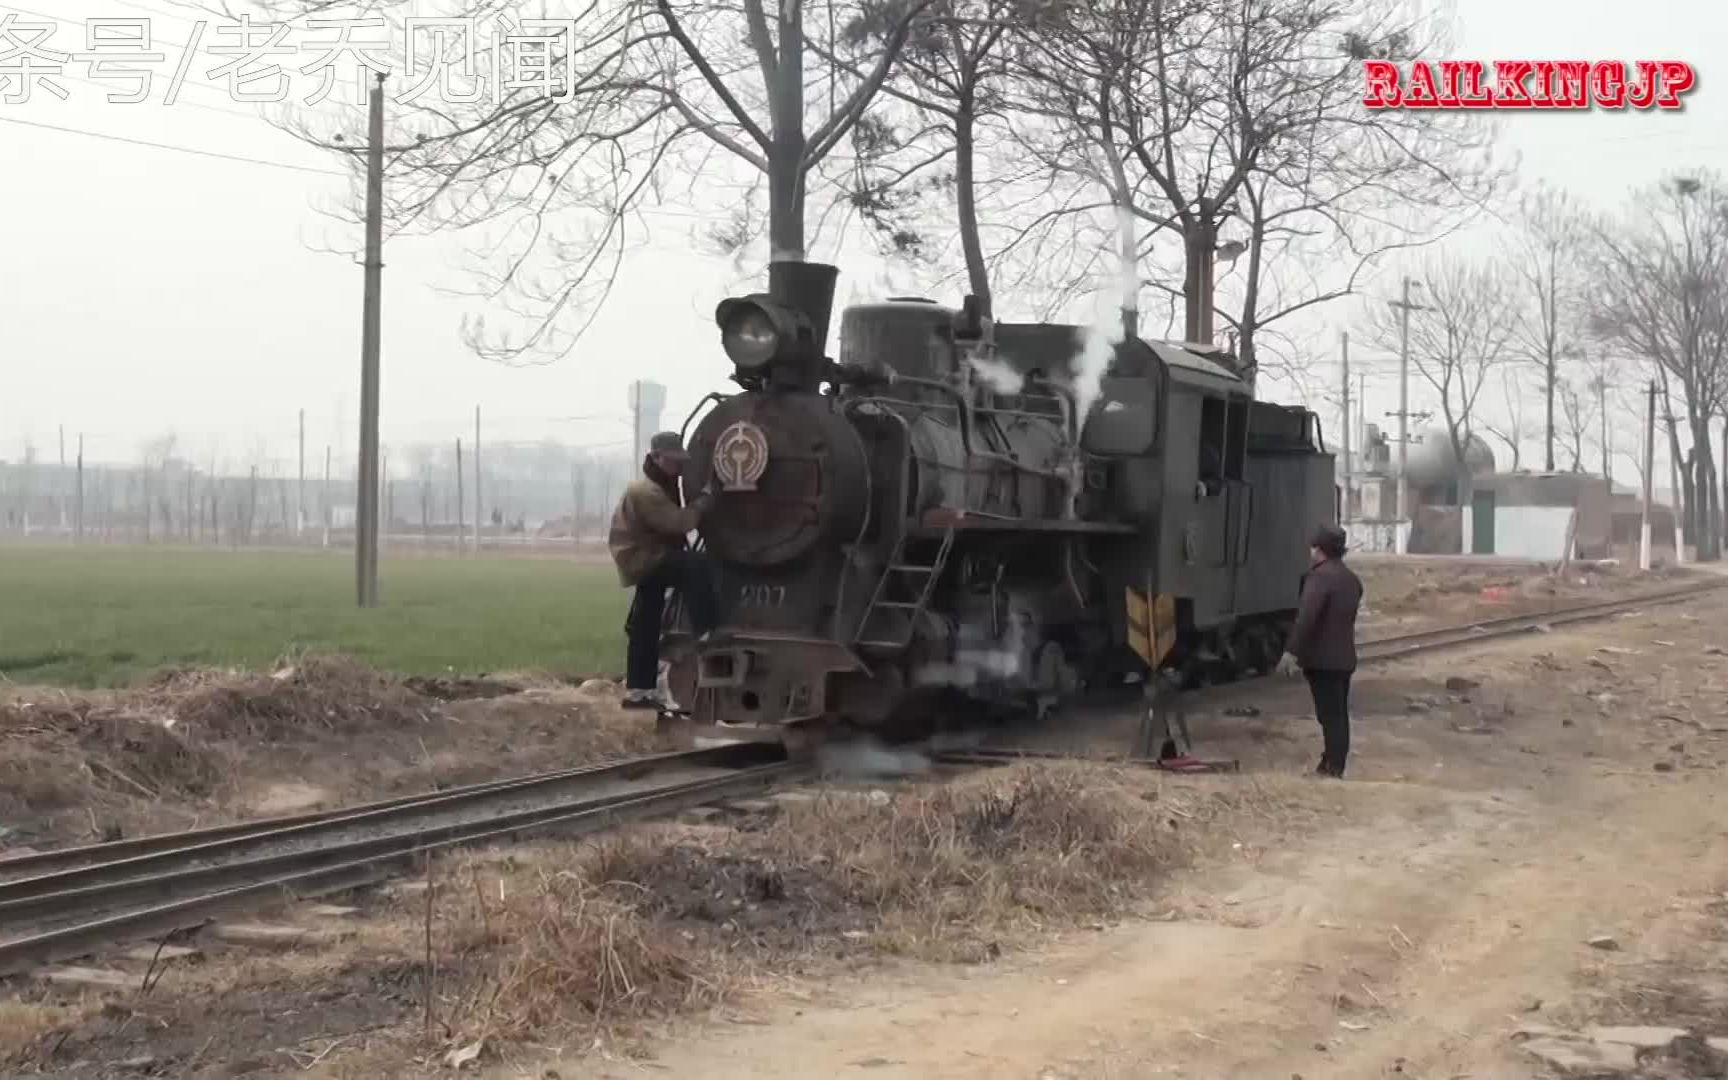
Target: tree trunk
[(1127, 272), (786, 162), (965, 201), (1723, 486), (1682, 501), (1552, 372), (1705, 502)]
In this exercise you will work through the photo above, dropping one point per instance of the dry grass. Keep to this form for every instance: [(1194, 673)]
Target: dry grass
[(606, 936), (563, 943), (308, 694), (193, 746), (24, 1023)]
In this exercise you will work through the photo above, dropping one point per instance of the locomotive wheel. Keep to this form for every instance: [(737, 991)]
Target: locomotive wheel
[(1052, 674)]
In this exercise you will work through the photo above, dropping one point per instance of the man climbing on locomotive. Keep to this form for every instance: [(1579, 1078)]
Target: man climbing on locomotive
[(1323, 643), (649, 543)]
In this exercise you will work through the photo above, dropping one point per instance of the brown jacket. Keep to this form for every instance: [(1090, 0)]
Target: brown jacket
[(1324, 637), (647, 525)]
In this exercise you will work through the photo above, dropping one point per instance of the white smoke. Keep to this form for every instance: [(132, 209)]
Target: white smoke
[(998, 375), (867, 758), (980, 659), (1097, 343)]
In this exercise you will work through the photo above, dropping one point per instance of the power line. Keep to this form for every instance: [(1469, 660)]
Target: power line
[(171, 146), (189, 104)]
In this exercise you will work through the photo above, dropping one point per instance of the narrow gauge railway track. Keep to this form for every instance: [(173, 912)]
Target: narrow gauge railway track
[(110, 893), (1376, 651), (60, 904), (1399, 645)]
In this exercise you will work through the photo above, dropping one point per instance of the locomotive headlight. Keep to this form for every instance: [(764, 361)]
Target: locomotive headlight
[(749, 335), (757, 330)]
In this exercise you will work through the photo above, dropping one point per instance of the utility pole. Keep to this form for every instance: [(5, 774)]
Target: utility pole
[(575, 504), (1362, 415), (29, 461), (366, 509), (1649, 479), (1676, 508), (80, 504), (1345, 341), (478, 505), (459, 524), (60, 481), (1405, 307), (636, 418), (326, 499), (300, 497), (1601, 388)]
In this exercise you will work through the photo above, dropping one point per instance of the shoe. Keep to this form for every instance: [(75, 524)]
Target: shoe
[(640, 699)]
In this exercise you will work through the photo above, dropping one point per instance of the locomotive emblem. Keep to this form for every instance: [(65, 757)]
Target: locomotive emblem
[(740, 456)]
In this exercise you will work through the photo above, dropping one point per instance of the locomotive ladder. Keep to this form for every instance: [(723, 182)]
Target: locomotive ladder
[(911, 573)]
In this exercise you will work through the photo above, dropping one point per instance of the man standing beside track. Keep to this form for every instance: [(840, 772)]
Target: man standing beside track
[(649, 543), (1323, 643)]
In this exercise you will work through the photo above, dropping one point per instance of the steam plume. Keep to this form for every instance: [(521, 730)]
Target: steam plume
[(980, 659), (1098, 342), (866, 758), (998, 375)]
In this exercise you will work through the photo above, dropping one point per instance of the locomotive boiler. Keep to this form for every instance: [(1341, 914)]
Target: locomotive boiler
[(1011, 512)]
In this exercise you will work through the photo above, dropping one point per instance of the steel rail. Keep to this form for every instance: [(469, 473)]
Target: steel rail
[(88, 885), (114, 851), (218, 889), (245, 879), (1399, 645)]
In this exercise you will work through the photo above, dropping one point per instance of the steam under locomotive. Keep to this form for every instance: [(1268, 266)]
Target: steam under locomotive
[(948, 505)]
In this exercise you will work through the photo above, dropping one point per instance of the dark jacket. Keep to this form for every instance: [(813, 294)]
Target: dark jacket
[(1324, 637)]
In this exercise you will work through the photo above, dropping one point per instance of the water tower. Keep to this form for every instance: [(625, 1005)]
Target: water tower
[(1435, 470), (646, 401)]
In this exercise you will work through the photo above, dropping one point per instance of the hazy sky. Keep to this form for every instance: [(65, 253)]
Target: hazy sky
[(148, 291)]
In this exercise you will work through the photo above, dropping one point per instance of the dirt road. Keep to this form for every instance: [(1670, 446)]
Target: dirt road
[(1405, 922)]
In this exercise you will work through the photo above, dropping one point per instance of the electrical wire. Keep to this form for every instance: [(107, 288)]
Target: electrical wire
[(171, 146)]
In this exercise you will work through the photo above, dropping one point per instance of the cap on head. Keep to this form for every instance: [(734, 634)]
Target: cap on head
[(1330, 540), (666, 442)]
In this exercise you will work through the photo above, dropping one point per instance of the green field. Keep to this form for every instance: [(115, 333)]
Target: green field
[(102, 616)]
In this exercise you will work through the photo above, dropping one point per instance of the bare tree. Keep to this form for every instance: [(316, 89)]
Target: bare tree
[(1263, 122), (1512, 429), (154, 459), (948, 86), (1461, 338), (1660, 291), (1547, 257), (1577, 413), (561, 172)]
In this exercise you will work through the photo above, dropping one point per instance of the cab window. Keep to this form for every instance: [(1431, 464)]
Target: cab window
[(1123, 421)]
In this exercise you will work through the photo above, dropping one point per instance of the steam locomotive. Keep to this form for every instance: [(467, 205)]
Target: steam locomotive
[(1009, 511)]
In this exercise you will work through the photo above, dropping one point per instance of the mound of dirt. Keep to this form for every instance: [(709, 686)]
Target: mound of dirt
[(60, 754), (668, 918), (201, 745), (330, 694)]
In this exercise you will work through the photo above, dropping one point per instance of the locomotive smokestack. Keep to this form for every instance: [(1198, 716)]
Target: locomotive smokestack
[(809, 288)]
